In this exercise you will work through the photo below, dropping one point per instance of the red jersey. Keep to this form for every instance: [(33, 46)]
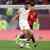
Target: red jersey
[(32, 17)]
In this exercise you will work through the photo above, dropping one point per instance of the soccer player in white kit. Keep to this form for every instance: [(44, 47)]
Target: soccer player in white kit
[(22, 15), (23, 19)]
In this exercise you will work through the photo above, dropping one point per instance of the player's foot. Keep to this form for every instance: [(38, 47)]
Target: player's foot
[(21, 47), (35, 45), (28, 45)]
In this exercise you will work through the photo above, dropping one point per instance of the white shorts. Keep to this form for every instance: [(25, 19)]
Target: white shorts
[(24, 25)]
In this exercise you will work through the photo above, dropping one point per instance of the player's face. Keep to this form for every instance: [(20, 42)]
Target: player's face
[(16, 12), (28, 6)]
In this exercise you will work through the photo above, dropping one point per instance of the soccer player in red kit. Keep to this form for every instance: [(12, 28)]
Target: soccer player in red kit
[(32, 18), (32, 14)]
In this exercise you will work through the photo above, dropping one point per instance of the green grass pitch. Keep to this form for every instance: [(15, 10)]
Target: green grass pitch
[(11, 45)]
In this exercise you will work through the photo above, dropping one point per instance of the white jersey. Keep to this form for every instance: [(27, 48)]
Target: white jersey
[(23, 23)]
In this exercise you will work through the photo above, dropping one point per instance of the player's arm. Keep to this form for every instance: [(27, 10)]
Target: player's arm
[(37, 20), (15, 18), (36, 23), (36, 16)]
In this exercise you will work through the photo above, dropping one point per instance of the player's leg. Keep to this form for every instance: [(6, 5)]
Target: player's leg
[(36, 32), (30, 38), (30, 31), (19, 42), (26, 29)]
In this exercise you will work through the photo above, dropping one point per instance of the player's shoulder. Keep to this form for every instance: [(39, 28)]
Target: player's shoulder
[(22, 9), (33, 10)]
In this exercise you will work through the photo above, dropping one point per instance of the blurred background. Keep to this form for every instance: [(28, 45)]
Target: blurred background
[(43, 15), (23, 1)]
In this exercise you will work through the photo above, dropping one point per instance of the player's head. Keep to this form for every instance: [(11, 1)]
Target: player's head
[(29, 5), (17, 11)]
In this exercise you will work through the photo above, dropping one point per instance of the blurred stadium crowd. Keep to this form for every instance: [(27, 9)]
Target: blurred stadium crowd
[(5, 18), (13, 2)]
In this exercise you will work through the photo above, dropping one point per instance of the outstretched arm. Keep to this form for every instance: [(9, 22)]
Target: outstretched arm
[(15, 18)]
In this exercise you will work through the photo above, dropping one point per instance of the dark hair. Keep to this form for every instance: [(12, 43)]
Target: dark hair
[(16, 9), (30, 3)]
